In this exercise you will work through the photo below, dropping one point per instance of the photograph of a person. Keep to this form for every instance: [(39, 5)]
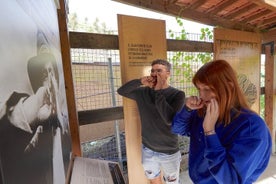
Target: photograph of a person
[(35, 144)]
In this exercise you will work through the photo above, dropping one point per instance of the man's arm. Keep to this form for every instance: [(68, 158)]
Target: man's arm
[(127, 89), (168, 110)]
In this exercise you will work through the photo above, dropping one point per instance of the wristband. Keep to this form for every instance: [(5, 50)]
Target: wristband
[(210, 132)]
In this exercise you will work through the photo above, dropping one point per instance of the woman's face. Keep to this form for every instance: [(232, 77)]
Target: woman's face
[(205, 93)]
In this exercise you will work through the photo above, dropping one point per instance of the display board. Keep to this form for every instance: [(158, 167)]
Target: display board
[(35, 144), (89, 171), (243, 51), (141, 40)]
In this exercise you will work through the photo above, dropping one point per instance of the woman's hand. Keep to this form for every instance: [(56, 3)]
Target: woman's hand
[(194, 102), (211, 116)]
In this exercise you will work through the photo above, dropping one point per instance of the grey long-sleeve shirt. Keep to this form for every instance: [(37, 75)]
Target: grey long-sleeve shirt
[(157, 109)]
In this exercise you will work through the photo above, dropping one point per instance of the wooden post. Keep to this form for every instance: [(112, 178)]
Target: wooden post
[(269, 91), (269, 46), (69, 86), (141, 40)]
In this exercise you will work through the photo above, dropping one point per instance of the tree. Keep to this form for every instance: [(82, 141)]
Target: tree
[(74, 24)]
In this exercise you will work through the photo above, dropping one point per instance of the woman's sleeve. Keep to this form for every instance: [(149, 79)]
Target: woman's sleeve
[(245, 159), (181, 122)]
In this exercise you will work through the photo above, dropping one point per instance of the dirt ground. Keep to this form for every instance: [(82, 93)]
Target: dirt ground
[(99, 130)]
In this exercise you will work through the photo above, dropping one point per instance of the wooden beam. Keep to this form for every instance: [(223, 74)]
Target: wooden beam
[(269, 36), (93, 40), (196, 4), (270, 21), (102, 41), (189, 46), (240, 11), (269, 4), (257, 16), (69, 87), (100, 115), (221, 6)]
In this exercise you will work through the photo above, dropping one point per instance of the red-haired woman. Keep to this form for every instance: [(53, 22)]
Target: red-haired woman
[(229, 143)]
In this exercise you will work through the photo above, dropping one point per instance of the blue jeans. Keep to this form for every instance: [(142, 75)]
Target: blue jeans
[(153, 162)]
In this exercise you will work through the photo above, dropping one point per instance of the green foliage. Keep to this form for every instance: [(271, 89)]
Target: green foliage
[(206, 34), (185, 64), (262, 106), (74, 24)]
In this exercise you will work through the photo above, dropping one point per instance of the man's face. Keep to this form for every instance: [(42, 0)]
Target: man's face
[(160, 70), (48, 74)]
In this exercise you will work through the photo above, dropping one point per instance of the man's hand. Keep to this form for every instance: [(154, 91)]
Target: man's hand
[(161, 83), (148, 81)]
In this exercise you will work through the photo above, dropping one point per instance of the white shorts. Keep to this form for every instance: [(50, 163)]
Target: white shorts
[(153, 162)]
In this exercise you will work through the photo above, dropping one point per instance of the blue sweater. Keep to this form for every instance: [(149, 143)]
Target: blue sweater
[(237, 154)]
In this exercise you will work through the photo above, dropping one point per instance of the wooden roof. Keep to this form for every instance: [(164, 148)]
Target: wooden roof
[(246, 15)]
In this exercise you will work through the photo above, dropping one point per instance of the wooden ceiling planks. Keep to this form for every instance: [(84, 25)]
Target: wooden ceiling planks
[(246, 15)]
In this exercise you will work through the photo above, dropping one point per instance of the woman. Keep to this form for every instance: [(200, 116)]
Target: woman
[(229, 143)]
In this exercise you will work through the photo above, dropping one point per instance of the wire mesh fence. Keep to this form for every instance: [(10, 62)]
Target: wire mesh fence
[(97, 76), (96, 79)]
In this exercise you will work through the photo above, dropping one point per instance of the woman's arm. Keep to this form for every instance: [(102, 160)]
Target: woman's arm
[(181, 123), (243, 160)]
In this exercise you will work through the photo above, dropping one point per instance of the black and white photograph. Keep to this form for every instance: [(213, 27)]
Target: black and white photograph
[(35, 142)]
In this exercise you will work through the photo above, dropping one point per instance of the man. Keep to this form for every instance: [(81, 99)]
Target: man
[(157, 102)]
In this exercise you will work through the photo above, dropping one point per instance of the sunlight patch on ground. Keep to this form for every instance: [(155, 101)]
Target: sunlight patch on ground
[(269, 180)]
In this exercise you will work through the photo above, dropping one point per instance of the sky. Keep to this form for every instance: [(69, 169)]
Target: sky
[(106, 11)]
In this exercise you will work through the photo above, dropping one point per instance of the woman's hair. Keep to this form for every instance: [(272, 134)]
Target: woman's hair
[(222, 80)]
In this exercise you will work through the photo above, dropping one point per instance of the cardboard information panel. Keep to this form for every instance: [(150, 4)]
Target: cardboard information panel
[(141, 40), (243, 51)]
